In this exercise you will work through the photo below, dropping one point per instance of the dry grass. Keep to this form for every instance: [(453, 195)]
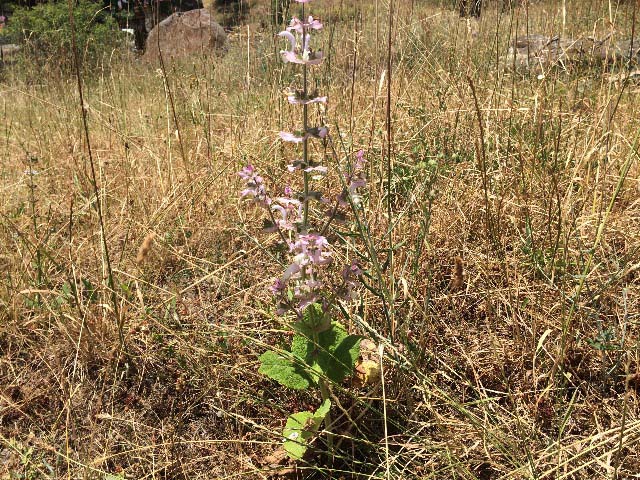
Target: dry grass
[(516, 295)]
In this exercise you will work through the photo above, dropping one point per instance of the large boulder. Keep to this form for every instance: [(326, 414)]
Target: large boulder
[(621, 51), (184, 34)]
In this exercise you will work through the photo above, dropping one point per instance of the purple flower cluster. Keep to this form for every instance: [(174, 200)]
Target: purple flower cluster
[(299, 137), (255, 188), (310, 249), (354, 180), (300, 54), (289, 211), (350, 279), (298, 97), (310, 252)]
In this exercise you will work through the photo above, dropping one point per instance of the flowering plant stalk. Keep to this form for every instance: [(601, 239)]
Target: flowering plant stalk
[(322, 353)]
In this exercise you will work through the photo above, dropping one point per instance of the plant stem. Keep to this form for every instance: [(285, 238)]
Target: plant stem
[(324, 391), (326, 395), (34, 218), (305, 141), (389, 175)]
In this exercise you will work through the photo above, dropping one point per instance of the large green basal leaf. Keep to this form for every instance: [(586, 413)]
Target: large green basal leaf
[(335, 354), (284, 371)]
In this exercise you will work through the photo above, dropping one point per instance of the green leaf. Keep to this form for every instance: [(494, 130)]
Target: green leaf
[(296, 434), (301, 427), (284, 371), (67, 289), (335, 354), (340, 352), (90, 291)]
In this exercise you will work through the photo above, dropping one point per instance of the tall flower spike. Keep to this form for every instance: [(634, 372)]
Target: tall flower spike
[(301, 283)]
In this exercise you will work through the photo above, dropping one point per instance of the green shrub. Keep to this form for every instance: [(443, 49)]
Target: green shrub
[(45, 32)]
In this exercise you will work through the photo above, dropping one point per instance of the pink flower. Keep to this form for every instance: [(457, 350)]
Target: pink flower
[(286, 213), (255, 186), (354, 180), (291, 270), (350, 275), (307, 56), (290, 211), (299, 98), (360, 161), (297, 137), (247, 172), (299, 26), (278, 287), (291, 137), (318, 132), (316, 170), (293, 43), (351, 272), (312, 249)]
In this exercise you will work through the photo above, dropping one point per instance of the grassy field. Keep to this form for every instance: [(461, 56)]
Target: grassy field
[(508, 314)]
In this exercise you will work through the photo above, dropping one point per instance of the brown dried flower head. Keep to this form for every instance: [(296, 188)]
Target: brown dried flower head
[(145, 247)]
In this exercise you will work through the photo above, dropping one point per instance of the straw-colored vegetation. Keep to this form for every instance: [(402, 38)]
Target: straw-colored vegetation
[(509, 316)]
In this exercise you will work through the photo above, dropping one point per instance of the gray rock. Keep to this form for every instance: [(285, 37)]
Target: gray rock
[(184, 34), (9, 50), (539, 51), (624, 50)]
